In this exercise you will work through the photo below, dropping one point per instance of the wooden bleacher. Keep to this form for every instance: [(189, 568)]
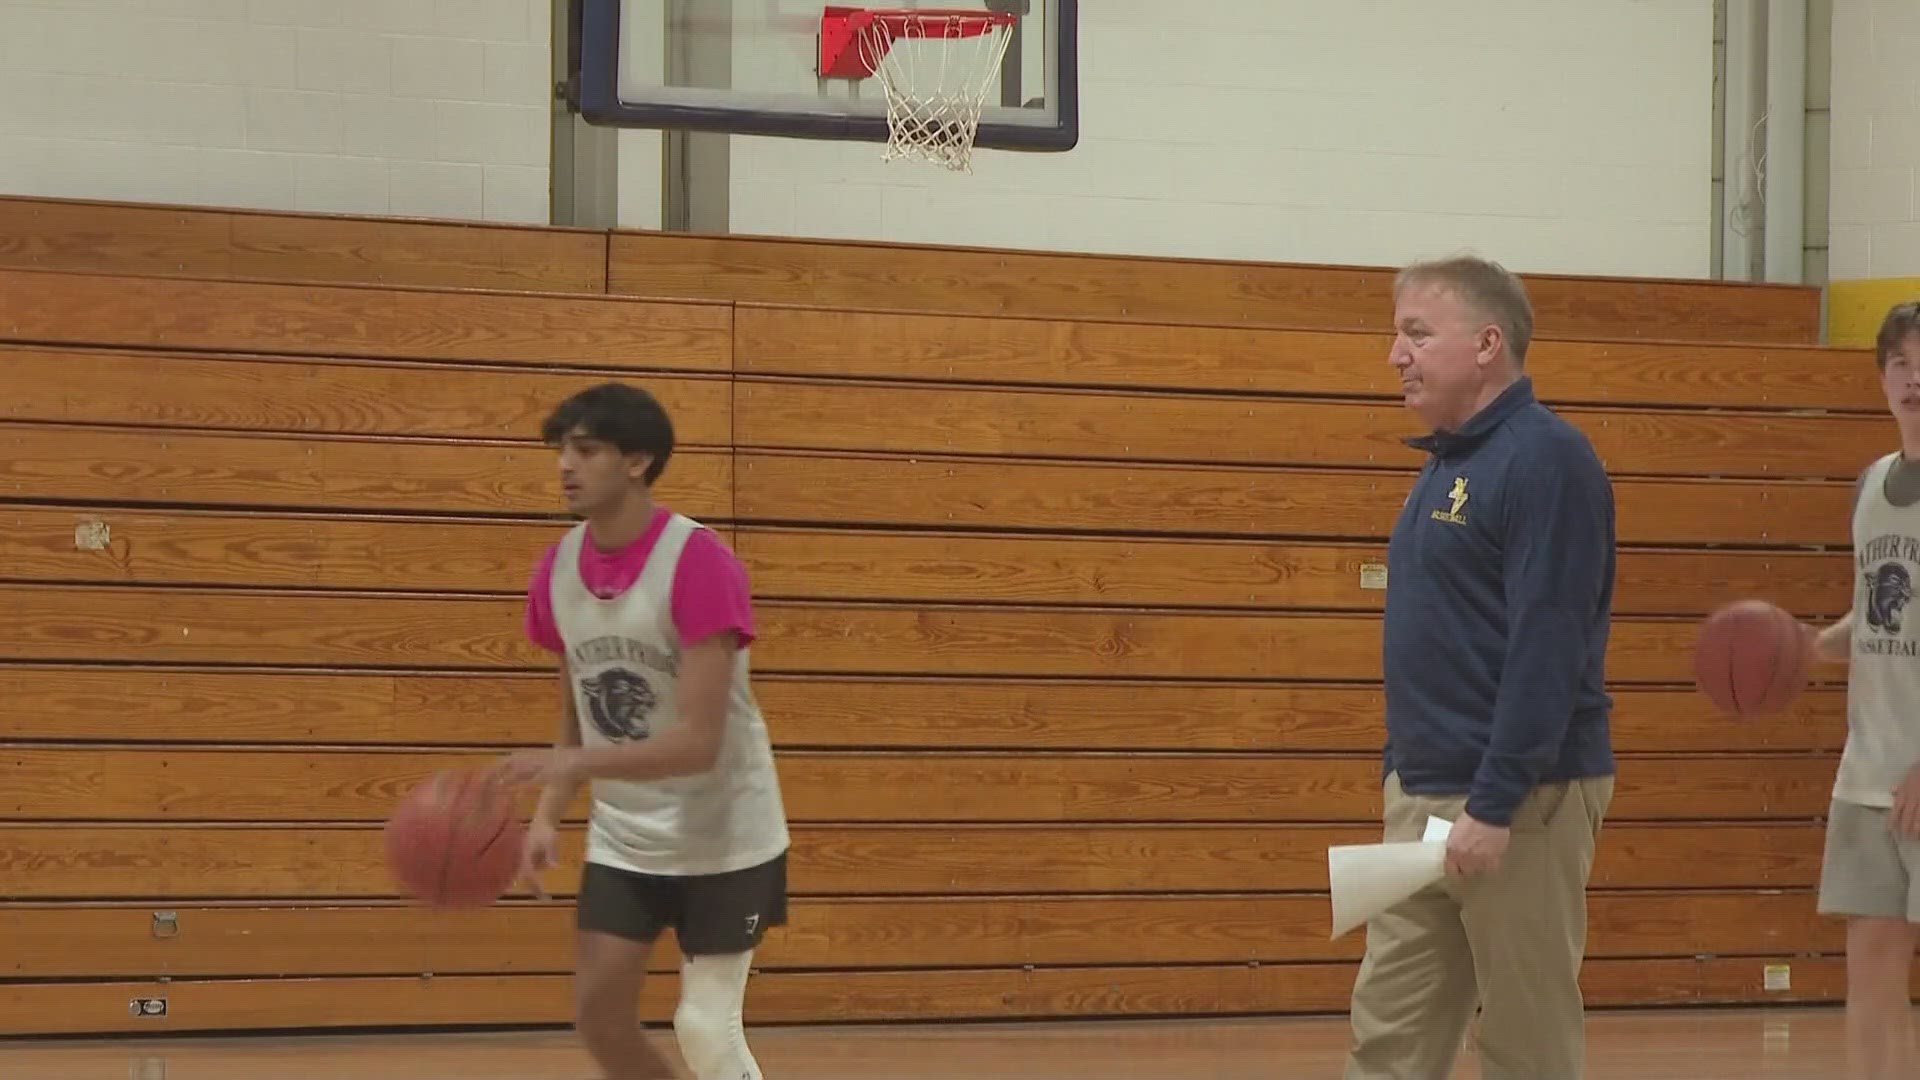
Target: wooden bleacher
[(1065, 650)]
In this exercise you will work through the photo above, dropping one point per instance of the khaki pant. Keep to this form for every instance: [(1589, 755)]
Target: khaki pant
[(1509, 942)]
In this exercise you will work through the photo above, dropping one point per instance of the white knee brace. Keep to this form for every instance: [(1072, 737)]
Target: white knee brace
[(708, 1024)]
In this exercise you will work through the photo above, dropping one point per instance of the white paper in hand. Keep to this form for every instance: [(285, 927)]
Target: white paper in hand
[(1367, 879)]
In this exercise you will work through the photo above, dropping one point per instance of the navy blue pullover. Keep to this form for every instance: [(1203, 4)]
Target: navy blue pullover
[(1499, 594)]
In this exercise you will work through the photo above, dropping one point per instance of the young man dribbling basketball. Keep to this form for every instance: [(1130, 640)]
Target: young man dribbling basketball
[(1870, 873), (651, 616)]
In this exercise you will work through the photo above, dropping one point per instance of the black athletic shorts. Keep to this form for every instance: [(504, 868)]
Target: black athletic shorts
[(709, 914)]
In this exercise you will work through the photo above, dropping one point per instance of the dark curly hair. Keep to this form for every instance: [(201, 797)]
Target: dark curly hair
[(626, 416)]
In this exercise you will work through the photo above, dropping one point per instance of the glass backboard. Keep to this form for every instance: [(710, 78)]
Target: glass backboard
[(762, 67)]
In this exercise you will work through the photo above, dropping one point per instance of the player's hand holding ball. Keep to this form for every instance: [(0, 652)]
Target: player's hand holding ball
[(539, 853), (541, 767)]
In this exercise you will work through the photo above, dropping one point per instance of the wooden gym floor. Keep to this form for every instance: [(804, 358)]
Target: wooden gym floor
[(1777, 1043)]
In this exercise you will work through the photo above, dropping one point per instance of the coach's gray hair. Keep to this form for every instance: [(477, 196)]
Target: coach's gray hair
[(1491, 289), (1901, 320)]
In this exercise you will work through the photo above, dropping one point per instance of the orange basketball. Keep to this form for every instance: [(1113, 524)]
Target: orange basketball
[(1752, 658), (455, 841)]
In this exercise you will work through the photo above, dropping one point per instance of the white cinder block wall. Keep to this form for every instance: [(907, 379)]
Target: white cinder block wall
[(434, 108), (1556, 136), (1875, 159)]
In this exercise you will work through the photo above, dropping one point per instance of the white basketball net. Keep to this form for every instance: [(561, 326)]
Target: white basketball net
[(936, 70)]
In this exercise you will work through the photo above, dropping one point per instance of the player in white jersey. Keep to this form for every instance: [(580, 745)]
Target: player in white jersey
[(1870, 873), (651, 616)]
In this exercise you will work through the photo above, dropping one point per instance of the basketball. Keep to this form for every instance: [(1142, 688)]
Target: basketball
[(1751, 659), (455, 841)]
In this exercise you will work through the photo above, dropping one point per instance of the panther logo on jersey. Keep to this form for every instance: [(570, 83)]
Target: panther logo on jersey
[(619, 702), (1889, 589)]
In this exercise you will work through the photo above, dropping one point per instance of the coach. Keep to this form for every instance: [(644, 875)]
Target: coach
[(1499, 590)]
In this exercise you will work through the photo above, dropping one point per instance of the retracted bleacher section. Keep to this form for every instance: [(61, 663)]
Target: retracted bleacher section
[(1065, 568)]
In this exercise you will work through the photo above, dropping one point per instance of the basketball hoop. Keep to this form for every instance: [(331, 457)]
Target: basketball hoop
[(935, 66)]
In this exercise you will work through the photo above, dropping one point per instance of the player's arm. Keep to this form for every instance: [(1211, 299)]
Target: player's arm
[(561, 789), (558, 792), (1835, 643), (1559, 541)]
